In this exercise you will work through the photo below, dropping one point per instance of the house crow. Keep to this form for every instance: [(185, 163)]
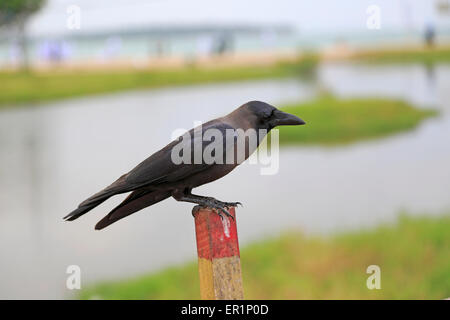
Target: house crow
[(160, 177)]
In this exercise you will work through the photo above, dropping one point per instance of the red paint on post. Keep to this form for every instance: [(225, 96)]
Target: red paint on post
[(216, 238)]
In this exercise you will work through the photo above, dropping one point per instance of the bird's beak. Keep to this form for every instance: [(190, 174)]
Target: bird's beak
[(281, 118)]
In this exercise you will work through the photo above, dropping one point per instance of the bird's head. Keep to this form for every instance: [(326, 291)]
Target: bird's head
[(264, 116)]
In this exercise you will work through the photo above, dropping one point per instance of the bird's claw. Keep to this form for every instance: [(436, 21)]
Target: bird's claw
[(221, 211), (232, 204), (219, 207)]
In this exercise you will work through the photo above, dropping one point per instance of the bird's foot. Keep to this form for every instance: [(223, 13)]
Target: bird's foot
[(231, 204), (220, 207)]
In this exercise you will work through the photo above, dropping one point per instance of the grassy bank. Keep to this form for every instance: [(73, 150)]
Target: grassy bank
[(408, 55), (332, 121), (33, 87), (413, 254), (19, 88)]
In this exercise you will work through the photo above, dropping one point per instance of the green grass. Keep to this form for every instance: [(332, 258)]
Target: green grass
[(19, 88), (409, 55), (330, 120), (413, 254)]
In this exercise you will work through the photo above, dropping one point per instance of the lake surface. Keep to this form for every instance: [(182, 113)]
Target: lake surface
[(55, 156)]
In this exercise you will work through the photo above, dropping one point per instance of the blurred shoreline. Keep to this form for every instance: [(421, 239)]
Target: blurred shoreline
[(334, 53), (246, 59)]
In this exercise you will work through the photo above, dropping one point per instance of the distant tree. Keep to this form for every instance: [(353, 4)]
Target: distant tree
[(15, 14)]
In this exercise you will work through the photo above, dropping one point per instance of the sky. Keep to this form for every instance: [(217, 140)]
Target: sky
[(306, 16)]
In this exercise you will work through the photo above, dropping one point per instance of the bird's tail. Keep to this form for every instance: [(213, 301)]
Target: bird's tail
[(136, 201), (115, 188)]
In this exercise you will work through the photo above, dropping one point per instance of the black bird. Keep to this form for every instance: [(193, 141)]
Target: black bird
[(158, 177)]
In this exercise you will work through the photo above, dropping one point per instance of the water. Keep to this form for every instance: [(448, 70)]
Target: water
[(54, 156)]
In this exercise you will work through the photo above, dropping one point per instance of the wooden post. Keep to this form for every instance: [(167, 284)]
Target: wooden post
[(219, 262)]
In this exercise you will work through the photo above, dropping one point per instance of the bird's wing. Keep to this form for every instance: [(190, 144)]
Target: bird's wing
[(160, 167), (156, 169)]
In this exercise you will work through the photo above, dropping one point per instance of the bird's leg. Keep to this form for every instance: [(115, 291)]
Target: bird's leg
[(205, 202)]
